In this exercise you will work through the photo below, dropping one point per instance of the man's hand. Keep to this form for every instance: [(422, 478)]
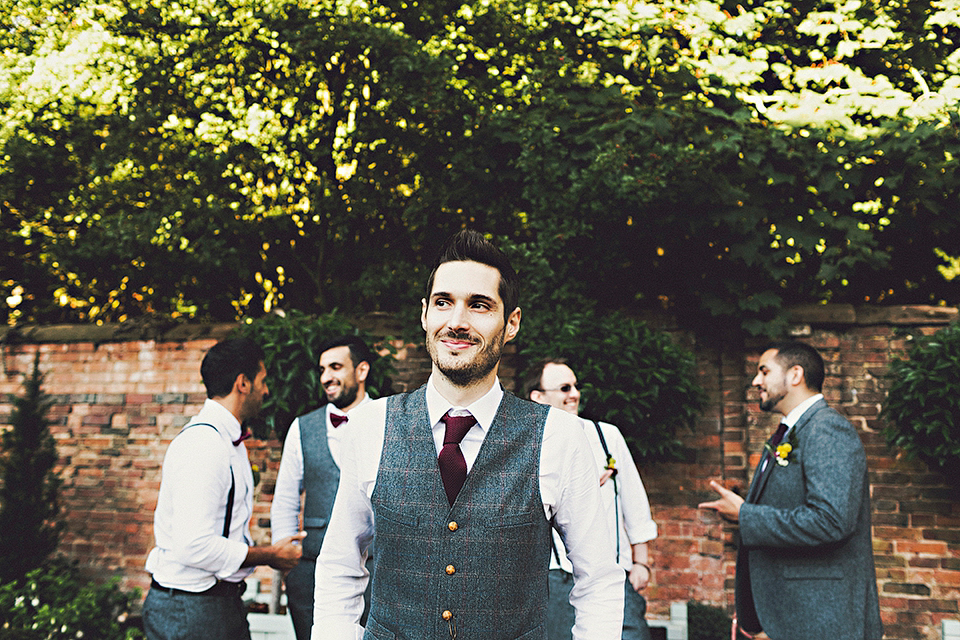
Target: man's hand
[(283, 555), (288, 552), (639, 577), (727, 506)]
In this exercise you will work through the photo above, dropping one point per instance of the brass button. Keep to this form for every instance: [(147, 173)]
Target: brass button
[(452, 526), (450, 570), (446, 615)]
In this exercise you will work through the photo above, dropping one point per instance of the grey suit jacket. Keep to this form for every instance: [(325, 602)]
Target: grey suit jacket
[(805, 565)]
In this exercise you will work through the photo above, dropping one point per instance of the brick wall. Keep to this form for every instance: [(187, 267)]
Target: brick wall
[(122, 393)]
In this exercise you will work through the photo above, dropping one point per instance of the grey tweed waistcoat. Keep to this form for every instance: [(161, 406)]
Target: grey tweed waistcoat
[(321, 476), (478, 570)]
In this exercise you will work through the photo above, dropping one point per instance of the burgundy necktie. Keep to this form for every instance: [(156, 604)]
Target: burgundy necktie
[(337, 419), (243, 436), (453, 468), (774, 441)]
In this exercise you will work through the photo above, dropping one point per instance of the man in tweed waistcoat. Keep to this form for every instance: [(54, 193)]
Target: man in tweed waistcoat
[(805, 565), (462, 522)]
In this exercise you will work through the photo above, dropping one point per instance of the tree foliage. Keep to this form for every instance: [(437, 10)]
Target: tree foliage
[(29, 529), (922, 409), (206, 159)]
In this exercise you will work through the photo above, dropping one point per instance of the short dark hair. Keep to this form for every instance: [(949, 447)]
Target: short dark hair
[(225, 361), (471, 246), (359, 351), (533, 381), (792, 353)]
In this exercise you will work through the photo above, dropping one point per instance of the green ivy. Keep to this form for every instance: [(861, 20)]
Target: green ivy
[(707, 622), (922, 410), (291, 343), (55, 603)]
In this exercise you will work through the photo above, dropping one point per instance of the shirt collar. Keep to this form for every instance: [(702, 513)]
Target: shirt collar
[(363, 401), (222, 419), (484, 409), (794, 416)]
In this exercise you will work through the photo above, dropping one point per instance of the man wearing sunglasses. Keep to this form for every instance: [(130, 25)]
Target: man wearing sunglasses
[(624, 500)]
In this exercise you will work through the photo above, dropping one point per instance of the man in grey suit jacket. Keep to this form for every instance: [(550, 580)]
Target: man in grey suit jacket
[(805, 565)]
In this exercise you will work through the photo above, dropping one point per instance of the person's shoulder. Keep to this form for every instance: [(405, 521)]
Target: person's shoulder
[(368, 413)]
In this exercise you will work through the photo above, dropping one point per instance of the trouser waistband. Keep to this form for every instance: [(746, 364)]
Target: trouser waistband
[(222, 589)]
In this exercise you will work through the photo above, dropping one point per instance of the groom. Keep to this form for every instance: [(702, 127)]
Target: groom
[(805, 564)]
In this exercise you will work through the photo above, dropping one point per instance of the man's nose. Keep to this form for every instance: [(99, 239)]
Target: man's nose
[(458, 317)]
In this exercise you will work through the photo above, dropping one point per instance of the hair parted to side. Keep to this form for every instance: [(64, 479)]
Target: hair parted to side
[(225, 361), (471, 246), (359, 351), (791, 353), (533, 381)]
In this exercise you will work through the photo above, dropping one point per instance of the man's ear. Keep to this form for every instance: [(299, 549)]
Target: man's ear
[(796, 376), (423, 313), (242, 383), (361, 371), (536, 396), (513, 325)]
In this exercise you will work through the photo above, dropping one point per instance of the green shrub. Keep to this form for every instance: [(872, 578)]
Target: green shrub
[(631, 375), (29, 530), (54, 603), (707, 622), (922, 409), (291, 344)]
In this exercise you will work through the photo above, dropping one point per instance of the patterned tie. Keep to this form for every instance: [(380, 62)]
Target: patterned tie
[(453, 468), (337, 419)]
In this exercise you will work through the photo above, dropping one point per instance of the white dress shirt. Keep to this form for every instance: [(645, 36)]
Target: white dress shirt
[(191, 552), (285, 509), (568, 488), (625, 504)]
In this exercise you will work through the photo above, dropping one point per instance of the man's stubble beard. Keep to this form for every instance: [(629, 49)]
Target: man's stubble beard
[(482, 364)]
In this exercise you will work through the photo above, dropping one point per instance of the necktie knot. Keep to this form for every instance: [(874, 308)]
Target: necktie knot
[(337, 419), (778, 434), (457, 427)]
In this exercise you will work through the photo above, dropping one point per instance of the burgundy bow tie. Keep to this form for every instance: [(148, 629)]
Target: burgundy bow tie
[(243, 436), (337, 419)]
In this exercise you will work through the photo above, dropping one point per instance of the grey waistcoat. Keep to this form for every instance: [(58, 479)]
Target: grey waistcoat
[(478, 569), (321, 476)]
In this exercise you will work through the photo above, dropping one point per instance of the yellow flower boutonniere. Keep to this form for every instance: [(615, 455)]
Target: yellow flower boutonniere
[(783, 450)]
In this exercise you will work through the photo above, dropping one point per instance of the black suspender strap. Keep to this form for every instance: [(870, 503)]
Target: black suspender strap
[(616, 493), (233, 485)]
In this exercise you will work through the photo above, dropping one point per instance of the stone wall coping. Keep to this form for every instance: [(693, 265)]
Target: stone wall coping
[(379, 323)]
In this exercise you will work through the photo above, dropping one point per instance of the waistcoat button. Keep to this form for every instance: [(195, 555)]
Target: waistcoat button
[(450, 570), (446, 615), (452, 526)]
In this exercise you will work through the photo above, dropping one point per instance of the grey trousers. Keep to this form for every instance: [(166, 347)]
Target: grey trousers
[(180, 616), (560, 615)]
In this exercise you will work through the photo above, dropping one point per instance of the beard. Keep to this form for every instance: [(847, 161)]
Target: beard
[(773, 398), (463, 373), (345, 398)]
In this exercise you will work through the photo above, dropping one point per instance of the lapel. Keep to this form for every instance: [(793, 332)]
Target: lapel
[(760, 479)]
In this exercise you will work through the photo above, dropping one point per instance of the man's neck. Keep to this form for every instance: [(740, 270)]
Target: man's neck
[(794, 401), (232, 404), (361, 394), (463, 396)]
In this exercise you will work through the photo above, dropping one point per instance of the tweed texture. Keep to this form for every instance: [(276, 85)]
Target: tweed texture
[(490, 570), (805, 566), (320, 479)]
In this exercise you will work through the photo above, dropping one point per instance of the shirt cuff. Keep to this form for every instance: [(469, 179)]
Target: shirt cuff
[(236, 553)]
